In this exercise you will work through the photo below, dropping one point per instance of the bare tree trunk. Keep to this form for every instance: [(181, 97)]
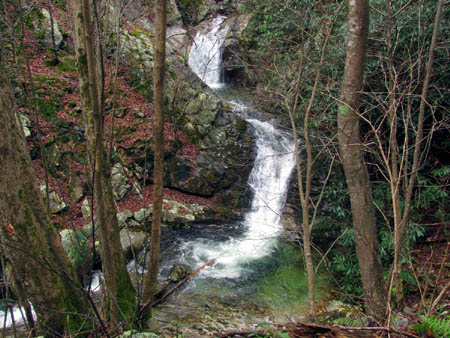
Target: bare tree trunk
[(401, 224), (352, 155), (120, 303), (392, 167), (151, 282), (29, 241)]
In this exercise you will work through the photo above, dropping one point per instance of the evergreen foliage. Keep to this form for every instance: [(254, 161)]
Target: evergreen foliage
[(439, 327)]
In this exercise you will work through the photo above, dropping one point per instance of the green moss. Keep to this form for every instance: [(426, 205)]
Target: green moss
[(344, 110), (68, 65), (224, 210), (127, 299), (241, 125), (47, 109), (137, 32), (72, 303), (48, 98), (82, 59)]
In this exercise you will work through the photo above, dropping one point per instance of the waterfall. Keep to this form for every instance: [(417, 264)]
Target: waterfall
[(205, 57), (268, 179)]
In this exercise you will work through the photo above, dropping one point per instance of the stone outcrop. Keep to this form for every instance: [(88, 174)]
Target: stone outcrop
[(175, 214), (119, 181), (43, 29)]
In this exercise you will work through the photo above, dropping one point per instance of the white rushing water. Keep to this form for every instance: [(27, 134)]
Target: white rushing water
[(205, 57), (268, 179), (14, 314)]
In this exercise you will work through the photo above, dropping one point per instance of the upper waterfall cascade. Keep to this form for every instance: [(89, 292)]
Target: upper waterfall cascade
[(205, 57)]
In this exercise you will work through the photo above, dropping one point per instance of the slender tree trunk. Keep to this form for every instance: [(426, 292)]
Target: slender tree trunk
[(352, 155), (392, 166), (401, 228), (119, 291), (151, 282), (29, 241)]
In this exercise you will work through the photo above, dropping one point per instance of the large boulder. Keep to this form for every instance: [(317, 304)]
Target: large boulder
[(132, 242), (42, 24)]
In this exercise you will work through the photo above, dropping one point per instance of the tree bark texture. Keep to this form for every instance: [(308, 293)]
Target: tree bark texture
[(29, 240), (352, 156), (119, 291), (151, 281)]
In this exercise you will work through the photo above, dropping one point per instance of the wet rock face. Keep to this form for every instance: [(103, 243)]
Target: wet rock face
[(223, 164), (194, 11)]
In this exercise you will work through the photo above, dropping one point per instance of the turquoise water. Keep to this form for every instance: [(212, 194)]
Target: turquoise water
[(276, 282)]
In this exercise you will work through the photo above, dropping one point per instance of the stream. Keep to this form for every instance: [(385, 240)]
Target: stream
[(256, 274)]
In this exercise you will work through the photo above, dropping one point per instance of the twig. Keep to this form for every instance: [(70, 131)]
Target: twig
[(438, 299)]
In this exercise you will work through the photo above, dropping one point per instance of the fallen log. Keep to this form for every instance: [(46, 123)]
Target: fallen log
[(170, 291)]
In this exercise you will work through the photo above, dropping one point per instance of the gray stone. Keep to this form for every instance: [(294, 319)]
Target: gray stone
[(86, 209), (26, 124), (56, 203), (77, 193), (132, 242), (399, 322), (142, 214), (136, 334), (337, 306), (132, 224), (173, 14), (68, 238), (123, 217), (179, 272), (119, 181), (76, 246), (138, 190), (53, 154), (44, 27)]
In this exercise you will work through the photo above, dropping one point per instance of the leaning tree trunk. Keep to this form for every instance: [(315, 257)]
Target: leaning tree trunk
[(120, 295), (151, 282), (29, 240), (352, 155)]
